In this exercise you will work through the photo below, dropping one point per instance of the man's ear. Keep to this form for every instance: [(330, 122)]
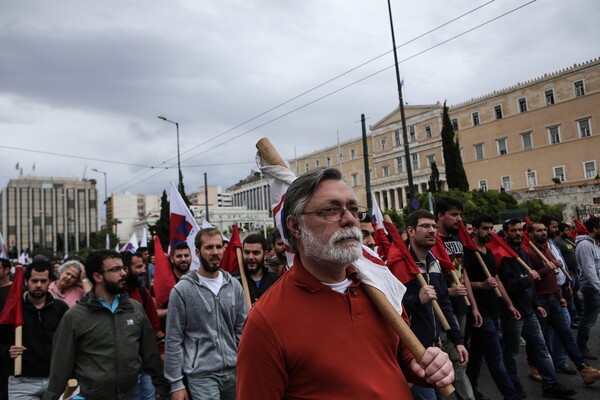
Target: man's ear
[(293, 226), (97, 277)]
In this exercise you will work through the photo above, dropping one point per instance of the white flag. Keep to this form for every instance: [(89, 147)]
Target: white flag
[(144, 242), (183, 225), (376, 214), (132, 243)]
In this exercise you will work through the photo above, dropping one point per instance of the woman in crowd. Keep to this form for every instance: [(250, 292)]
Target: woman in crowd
[(72, 283)]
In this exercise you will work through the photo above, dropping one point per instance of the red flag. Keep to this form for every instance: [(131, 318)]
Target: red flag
[(500, 248), (401, 264), (465, 238), (164, 280), (580, 228), (230, 261), (439, 251), (12, 313), (526, 238), (381, 241)]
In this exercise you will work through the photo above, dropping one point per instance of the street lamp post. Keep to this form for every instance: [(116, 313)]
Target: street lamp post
[(180, 187), (105, 195)]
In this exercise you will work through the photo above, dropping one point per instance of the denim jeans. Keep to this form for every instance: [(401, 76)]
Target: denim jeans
[(559, 320), (529, 328), (26, 388), (144, 390), (212, 386), (557, 351), (485, 343), (591, 308), (461, 381), (422, 393)]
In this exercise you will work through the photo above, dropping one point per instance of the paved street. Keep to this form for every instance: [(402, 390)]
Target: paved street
[(534, 389)]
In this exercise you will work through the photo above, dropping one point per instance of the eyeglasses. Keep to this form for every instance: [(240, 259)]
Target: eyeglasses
[(427, 226), (337, 213), (116, 269)]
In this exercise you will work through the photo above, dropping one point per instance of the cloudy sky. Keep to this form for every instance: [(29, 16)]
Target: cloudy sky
[(82, 82)]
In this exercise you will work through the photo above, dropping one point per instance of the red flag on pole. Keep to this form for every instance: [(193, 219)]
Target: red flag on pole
[(230, 261), (465, 237), (580, 227), (526, 238), (500, 248), (12, 313), (439, 251), (164, 280)]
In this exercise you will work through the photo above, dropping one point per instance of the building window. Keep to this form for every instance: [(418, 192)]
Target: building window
[(584, 127), (483, 185), (397, 141), (341, 157), (329, 161), (354, 179), (399, 165), (559, 172), (428, 131), (454, 123), (385, 171), (383, 144), (531, 178), (475, 118), (317, 163), (527, 141), (579, 88), (306, 167), (589, 167), (479, 151), (498, 111), (415, 161), (506, 182), (413, 133), (430, 159), (502, 146), (554, 134), (352, 154), (523, 104), (549, 95)]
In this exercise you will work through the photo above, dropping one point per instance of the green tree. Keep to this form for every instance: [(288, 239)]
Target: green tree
[(162, 227), (397, 218), (536, 208), (434, 180), (455, 171)]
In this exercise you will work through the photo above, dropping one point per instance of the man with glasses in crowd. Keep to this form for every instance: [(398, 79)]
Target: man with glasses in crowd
[(316, 334), (105, 339)]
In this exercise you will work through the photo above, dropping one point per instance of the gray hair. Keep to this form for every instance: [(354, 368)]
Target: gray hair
[(70, 264), (298, 194)]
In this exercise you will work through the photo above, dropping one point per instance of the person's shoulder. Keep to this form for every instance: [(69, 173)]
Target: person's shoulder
[(60, 305)]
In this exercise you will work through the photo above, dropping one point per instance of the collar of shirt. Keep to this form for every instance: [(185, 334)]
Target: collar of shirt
[(113, 307)]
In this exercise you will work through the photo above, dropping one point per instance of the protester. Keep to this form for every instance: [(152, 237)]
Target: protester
[(259, 278), (588, 257), (5, 285), (551, 299), (72, 283), (41, 316), (485, 342), (519, 287), (566, 245), (277, 264), (105, 339), (421, 229), (204, 323), (315, 334), (367, 232), (181, 260)]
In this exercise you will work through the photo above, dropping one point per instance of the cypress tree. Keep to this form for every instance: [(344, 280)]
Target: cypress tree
[(434, 179), (455, 171)]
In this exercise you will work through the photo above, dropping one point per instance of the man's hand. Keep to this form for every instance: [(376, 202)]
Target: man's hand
[(426, 294), (463, 354), (435, 367), (16, 351), (551, 265), (516, 314), (180, 394), (477, 319), (541, 311), (533, 275), (458, 290), (563, 303), (490, 283)]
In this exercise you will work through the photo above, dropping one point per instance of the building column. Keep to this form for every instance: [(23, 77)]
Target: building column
[(397, 199), (387, 199)]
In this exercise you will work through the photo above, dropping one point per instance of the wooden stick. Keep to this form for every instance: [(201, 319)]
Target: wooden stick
[(243, 278), (486, 271), (19, 342), (543, 257), (71, 386), (457, 281), (265, 147), (436, 306)]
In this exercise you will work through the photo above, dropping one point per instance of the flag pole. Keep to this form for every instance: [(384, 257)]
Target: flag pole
[(19, 343), (543, 257), (240, 260), (270, 154)]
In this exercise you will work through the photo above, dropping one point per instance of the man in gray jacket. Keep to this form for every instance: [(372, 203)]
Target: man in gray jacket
[(204, 322), (588, 258)]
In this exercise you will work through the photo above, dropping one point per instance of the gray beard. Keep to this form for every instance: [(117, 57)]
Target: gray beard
[(330, 252)]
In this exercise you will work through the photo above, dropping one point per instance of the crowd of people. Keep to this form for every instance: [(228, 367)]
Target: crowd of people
[(310, 330)]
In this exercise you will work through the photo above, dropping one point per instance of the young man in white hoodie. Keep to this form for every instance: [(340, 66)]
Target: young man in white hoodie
[(204, 322), (587, 253)]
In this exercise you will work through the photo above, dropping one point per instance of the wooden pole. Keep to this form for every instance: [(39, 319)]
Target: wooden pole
[(268, 151), (436, 306), (457, 281), (486, 271), (19, 342), (543, 257), (243, 278), (71, 386)]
